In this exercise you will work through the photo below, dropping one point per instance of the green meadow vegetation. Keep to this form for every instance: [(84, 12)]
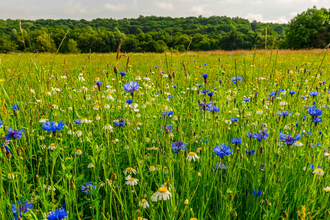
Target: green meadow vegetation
[(209, 135)]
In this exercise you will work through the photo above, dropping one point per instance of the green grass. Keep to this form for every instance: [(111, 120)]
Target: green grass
[(275, 169)]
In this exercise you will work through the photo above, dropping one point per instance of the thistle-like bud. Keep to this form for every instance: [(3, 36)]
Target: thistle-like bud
[(115, 69), (275, 165), (230, 197), (113, 177), (327, 212), (266, 202), (235, 214), (284, 214), (72, 185)]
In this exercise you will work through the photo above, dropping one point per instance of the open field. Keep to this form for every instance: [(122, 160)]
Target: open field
[(209, 135)]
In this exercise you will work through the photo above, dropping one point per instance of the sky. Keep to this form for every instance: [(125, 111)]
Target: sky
[(278, 11)]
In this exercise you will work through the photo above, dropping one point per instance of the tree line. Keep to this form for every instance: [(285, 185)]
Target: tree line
[(309, 29)]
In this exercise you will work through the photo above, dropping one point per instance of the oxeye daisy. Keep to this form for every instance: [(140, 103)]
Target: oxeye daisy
[(129, 170), (192, 156), (52, 146), (152, 168), (318, 171), (78, 152), (163, 194), (144, 204), (132, 181), (90, 165)]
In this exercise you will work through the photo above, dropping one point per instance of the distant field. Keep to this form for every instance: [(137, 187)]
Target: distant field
[(207, 135)]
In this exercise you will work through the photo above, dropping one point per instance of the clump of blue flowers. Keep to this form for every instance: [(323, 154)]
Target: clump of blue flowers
[(14, 134), (178, 146), (131, 87), (222, 151), (87, 188), (57, 214), (52, 126)]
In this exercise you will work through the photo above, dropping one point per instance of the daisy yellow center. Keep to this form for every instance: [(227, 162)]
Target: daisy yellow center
[(144, 201), (319, 170), (79, 131), (78, 150), (131, 179), (154, 195), (193, 219), (153, 148), (129, 168), (162, 190), (90, 164), (152, 167), (192, 153), (52, 144), (107, 125), (199, 148)]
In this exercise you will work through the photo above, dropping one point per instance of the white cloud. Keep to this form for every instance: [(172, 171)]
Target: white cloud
[(298, 1), (164, 6), (293, 14), (257, 3), (74, 8), (230, 1), (259, 17), (118, 7), (199, 10)]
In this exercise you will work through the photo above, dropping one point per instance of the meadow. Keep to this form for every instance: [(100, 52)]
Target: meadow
[(209, 135)]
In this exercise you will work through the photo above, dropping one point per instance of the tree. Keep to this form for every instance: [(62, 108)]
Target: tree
[(308, 29), (73, 46)]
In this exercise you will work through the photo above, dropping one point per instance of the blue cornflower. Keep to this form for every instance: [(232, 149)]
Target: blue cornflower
[(306, 133), (260, 136), (234, 119), (257, 192), (99, 85), (303, 97), (284, 114), (129, 101), (205, 140), (174, 87), (235, 79), (205, 64), (222, 151), (315, 112), (250, 152), (220, 166), (14, 134), (14, 107), (170, 97), (205, 75), (167, 113), (210, 94), (204, 91), (292, 92), (194, 60), (168, 129), (52, 126), (288, 139), (313, 94), (246, 99), (57, 214), (156, 67), (317, 120), (77, 122), (122, 74), (178, 146), (212, 109), (87, 188), (1, 123), (131, 87), (120, 123), (236, 141), (21, 208), (162, 72)]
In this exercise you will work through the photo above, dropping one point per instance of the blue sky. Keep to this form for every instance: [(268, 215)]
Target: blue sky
[(280, 11)]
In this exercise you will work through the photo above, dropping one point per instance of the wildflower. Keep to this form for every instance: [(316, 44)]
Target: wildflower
[(318, 171), (222, 151), (90, 165), (132, 181), (87, 188), (257, 192), (99, 85), (163, 194), (259, 111), (57, 214), (52, 126), (288, 139), (205, 77), (129, 170), (78, 152), (120, 123), (14, 107), (236, 141), (21, 208), (220, 166), (315, 112), (313, 94), (131, 87), (144, 204), (235, 79), (11, 176), (327, 189), (14, 134), (52, 146), (107, 127), (178, 146), (250, 152), (192, 156)]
